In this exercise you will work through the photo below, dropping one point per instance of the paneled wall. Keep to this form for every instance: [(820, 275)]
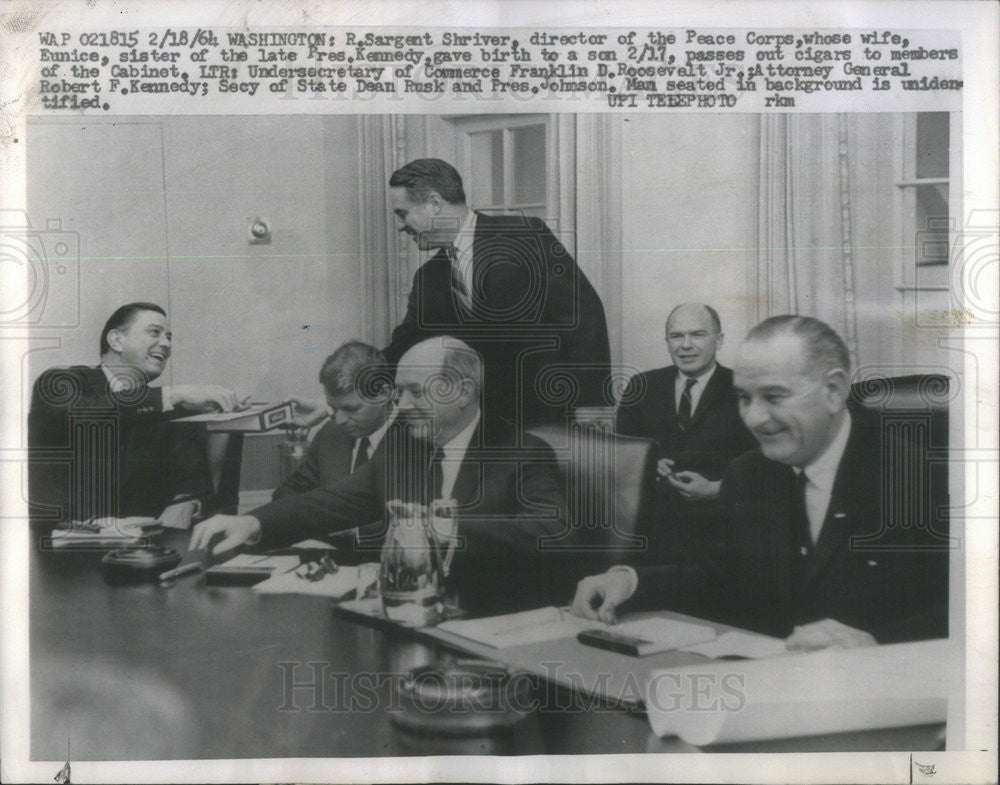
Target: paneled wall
[(163, 208)]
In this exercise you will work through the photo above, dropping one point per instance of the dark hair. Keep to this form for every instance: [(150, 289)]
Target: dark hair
[(712, 313), (424, 176), (122, 318), (340, 371), (824, 349)]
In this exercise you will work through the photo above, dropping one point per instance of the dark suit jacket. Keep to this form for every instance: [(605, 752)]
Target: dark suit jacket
[(509, 500), (888, 579), (537, 311), (715, 437), (96, 453), (327, 461)]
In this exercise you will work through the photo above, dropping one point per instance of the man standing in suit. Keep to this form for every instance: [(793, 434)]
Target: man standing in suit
[(690, 409), (100, 439), (507, 493), (506, 286), (813, 552), (358, 419)]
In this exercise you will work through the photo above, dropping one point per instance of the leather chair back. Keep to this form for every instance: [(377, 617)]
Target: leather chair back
[(913, 413), (610, 486)]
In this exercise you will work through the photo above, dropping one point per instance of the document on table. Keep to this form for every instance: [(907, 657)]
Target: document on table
[(334, 584), (736, 643), (549, 624), (828, 691), (104, 532)]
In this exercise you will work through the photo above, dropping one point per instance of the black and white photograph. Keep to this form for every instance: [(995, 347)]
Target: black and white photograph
[(503, 394)]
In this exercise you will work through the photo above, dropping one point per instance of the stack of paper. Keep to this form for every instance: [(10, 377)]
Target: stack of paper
[(829, 691)]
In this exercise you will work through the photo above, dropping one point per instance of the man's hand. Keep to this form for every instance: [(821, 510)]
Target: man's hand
[(307, 412), (204, 397), (179, 515), (610, 589), (235, 530), (665, 467), (693, 487), (825, 634)]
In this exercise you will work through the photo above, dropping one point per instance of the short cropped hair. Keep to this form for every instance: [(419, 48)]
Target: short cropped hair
[(712, 313), (340, 371), (123, 318), (824, 349), (424, 176)]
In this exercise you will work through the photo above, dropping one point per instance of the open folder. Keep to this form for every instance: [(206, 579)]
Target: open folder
[(551, 623)]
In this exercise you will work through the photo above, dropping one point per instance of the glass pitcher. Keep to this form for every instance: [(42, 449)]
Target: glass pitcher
[(411, 580)]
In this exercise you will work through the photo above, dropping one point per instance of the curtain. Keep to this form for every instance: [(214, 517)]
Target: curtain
[(382, 258), (806, 258), (596, 193)]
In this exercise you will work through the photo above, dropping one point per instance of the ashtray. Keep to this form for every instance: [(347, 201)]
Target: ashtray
[(464, 698), (134, 565)]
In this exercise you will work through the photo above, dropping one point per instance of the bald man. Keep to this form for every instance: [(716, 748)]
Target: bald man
[(689, 408), (508, 494)]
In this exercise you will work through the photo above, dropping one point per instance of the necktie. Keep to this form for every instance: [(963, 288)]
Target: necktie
[(457, 282), (435, 480), (800, 516), (684, 410), (361, 457)]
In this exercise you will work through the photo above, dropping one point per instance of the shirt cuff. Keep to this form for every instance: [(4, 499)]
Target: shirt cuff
[(633, 577), (257, 537), (168, 404)]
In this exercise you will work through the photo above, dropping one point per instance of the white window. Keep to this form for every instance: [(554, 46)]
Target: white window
[(927, 183), (510, 163)]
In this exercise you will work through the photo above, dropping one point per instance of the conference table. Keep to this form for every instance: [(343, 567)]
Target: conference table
[(195, 671)]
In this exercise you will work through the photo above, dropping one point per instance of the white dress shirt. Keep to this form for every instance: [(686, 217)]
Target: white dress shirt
[(453, 455), (701, 382), (820, 475), (373, 441)]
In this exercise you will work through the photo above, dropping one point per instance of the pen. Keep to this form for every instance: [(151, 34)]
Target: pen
[(187, 569)]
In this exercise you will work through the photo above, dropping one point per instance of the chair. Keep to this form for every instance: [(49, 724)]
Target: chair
[(610, 486), (913, 411)]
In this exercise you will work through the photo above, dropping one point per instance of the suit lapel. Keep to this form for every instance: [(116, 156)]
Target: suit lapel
[(709, 395), (842, 516), (671, 395), (466, 489)]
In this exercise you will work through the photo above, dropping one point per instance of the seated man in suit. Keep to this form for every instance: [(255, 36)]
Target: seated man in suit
[(358, 419), (810, 553), (507, 492), (100, 439), (690, 409)]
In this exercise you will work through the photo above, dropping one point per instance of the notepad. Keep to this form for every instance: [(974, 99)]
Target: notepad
[(248, 569)]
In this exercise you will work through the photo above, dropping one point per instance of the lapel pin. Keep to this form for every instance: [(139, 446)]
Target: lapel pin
[(840, 515)]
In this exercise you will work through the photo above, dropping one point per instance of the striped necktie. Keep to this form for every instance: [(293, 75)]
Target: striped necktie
[(684, 410)]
